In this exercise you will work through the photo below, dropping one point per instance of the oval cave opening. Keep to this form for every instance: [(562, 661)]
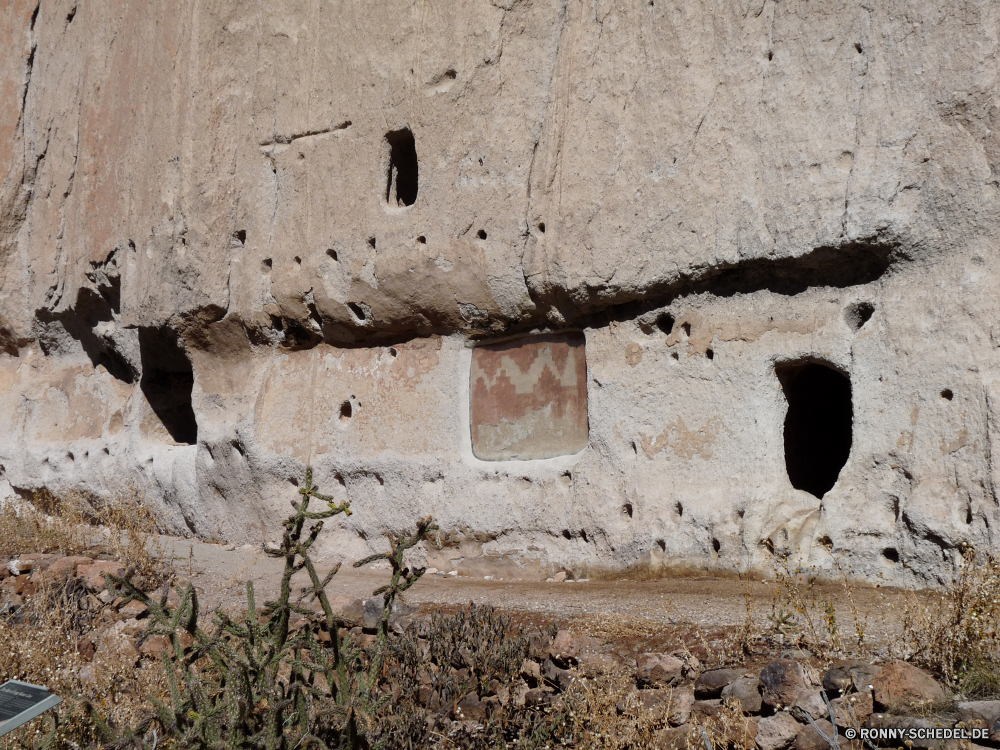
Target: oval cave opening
[(818, 425)]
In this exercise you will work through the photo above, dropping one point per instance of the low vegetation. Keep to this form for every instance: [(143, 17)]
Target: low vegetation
[(296, 672)]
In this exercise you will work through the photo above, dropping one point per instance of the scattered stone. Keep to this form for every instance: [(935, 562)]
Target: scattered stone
[(853, 710), (155, 645), (777, 732), (659, 670), (556, 677), (92, 573), (430, 571), (63, 568), (783, 680), (809, 703), (675, 738), (900, 686), (979, 714), (746, 691), (566, 647), (86, 647), (134, 609), (559, 577), (470, 708), (890, 721), (88, 675), (711, 683), (809, 739), (708, 709), (863, 675), (837, 680)]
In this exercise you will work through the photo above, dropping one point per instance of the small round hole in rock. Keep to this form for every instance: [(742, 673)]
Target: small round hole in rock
[(293, 481), (566, 534), (450, 74), (687, 328), (481, 234), (298, 260), (371, 242), (268, 263), (392, 352), (716, 545), (675, 355), (346, 411), (666, 323), (680, 509), (422, 240), (541, 227), (947, 395), (627, 509), (890, 554), (662, 544), (710, 353), (332, 253)]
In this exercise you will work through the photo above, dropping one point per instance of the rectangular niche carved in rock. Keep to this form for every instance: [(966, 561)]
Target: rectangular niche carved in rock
[(528, 397)]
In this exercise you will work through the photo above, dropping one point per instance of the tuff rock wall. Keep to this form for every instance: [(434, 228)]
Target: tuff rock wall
[(239, 238)]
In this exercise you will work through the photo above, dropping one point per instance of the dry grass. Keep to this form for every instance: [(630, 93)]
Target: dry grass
[(41, 648), (956, 632), (121, 526)]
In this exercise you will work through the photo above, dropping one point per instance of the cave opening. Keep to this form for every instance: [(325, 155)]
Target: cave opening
[(167, 381), (401, 177), (818, 425)]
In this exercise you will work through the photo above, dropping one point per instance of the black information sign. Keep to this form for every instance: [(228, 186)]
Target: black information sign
[(21, 702)]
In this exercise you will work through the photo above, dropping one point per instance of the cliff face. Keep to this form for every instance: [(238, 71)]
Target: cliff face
[(241, 238)]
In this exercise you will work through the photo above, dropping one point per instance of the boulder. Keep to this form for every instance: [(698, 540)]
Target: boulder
[(93, 573), (777, 732), (853, 710), (900, 686), (555, 676), (155, 645), (134, 609), (782, 680), (470, 708), (809, 703), (980, 715), (61, 568), (746, 692), (710, 684), (809, 739), (661, 670)]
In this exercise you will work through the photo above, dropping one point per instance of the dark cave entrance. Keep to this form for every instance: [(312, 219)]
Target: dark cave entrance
[(401, 179), (818, 426), (167, 381)]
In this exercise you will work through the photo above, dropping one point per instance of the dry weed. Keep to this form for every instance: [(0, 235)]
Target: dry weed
[(40, 646), (956, 632), (121, 526)]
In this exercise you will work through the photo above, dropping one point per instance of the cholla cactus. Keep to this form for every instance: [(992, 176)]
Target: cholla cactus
[(253, 682)]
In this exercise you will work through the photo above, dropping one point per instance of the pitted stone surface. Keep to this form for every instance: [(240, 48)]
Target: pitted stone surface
[(705, 192)]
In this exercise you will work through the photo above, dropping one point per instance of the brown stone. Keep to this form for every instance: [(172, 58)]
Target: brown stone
[(809, 739), (746, 692), (675, 738), (900, 686), (777, 732), (978, 714), (92, 574), (891, 721), (710, 684), (155, 645), (134, 609), (470, 708), (86, 647), (660, 670), (782, 680), (853, 710), (63, 568), (567, 646)]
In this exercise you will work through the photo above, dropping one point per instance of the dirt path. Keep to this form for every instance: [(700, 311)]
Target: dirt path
[(666, 609)]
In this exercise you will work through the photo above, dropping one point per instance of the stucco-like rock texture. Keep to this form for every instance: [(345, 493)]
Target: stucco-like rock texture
[(237, 239)]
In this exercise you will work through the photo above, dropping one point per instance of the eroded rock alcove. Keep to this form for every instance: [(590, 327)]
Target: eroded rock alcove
[(231, 249)]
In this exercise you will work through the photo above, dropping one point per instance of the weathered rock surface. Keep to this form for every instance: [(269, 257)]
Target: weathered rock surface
[(660, 670), (900, 686), (777, 732), (229, 250)]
